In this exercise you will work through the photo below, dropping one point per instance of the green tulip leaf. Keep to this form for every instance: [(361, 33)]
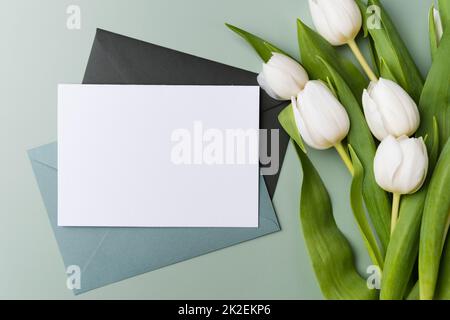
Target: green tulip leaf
[(330, 252), (434, 230), (434, 148), (357, 203), (313, 45), (331, 87), (390, 47), (262, 47), (375, 59), (443, 286), (435, 100), (385, 71), (287, 119), (360, 137), (402, 251), (444, 11), (414, 293)]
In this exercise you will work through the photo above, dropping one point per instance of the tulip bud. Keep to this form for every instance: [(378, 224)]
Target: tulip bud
[(338, 21), (401, 164), (282, 77), (321, 119), (438, 25), (389, 110)]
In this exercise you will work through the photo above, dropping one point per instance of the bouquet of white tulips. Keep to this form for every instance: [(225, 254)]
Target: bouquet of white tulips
[(391, 129)]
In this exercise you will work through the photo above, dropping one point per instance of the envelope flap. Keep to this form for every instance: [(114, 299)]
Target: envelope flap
[(266, 209), (117, 59), (46, 155), (107, 255)]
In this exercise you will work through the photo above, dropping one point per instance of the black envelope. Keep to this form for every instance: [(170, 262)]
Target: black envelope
[(116, 59)]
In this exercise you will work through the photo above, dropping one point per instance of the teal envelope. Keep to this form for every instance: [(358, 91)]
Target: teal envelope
[(108, 255)]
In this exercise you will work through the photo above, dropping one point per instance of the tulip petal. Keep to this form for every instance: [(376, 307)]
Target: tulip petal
[(281, 83), (410, 112), (322, 25), (354, 13), (263, 84), (426, 161), (334, 15), (390, 107), (372, 85), (313, 107), (373, 117), (406, 180), (291, 67), (401, 164), (415, 165), (338, 21), (387, 162), (335, 117), (303, 129)]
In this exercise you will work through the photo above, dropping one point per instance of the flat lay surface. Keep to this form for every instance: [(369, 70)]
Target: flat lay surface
[(43, 51)]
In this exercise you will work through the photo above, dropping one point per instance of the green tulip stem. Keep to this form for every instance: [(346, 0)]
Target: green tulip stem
[(395, 207), (364, 64), (345, 157)]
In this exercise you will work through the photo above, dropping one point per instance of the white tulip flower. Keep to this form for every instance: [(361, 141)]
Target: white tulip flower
[(401, 164), (338, 21), (389, 110), (321, 119), (282, 77), (400, 167)]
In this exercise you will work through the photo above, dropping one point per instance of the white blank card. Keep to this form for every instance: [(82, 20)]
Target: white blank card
[(158, 156)]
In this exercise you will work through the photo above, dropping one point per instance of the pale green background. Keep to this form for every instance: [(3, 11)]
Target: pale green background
[(38, 51)]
